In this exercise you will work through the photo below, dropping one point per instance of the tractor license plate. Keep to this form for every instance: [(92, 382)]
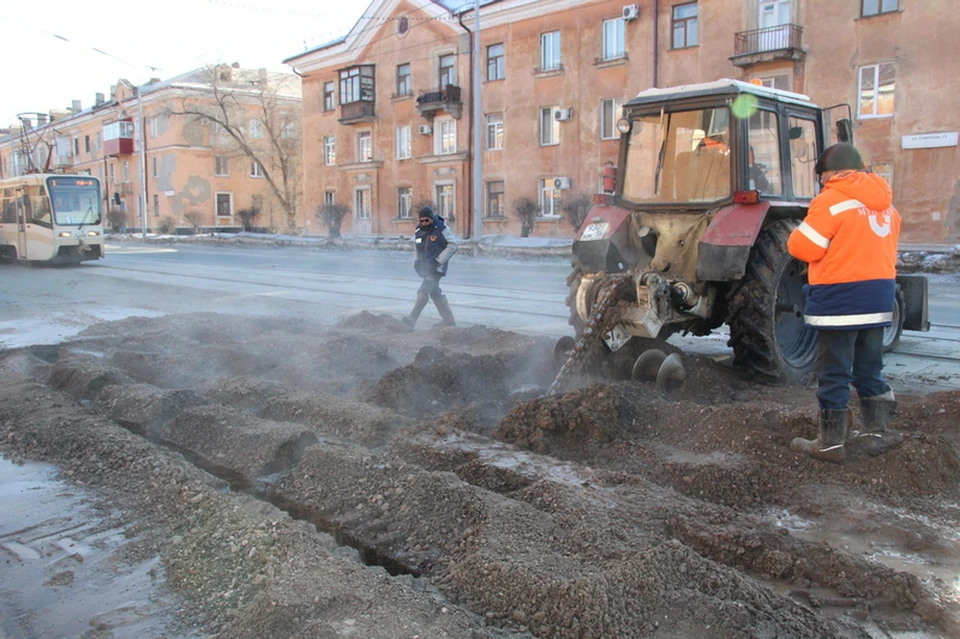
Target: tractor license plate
[(616, 337), (595, 231)]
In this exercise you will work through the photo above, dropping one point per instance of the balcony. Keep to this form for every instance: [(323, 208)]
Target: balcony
[(782, 42), (447, 99), (357, 112), (118, 138)]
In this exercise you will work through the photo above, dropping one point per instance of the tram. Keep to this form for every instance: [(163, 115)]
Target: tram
[(51, 218)]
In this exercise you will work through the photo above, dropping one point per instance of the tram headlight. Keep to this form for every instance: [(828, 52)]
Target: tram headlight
[(66, 234), (93, 233)]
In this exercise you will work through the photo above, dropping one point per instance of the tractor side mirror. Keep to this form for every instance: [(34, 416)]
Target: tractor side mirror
[(796, 132), (844, 131)]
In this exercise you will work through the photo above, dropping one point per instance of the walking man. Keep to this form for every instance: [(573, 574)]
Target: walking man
[(849, 239), (435, 244)]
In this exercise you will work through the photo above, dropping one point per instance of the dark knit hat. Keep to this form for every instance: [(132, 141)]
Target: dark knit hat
[(426, 211), (839, 157)]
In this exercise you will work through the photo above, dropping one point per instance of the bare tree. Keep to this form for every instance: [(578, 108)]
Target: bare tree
[(332, 214), (247, 217), (253, 114), (195, 218), (526, 209), (575, 208)]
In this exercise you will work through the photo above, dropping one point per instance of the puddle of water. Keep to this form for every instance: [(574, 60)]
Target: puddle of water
[(62, 571)]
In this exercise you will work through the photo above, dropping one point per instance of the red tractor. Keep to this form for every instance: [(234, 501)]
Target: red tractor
[(691, 233)]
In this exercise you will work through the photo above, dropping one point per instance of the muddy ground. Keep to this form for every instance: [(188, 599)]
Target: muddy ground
[(301, 480)]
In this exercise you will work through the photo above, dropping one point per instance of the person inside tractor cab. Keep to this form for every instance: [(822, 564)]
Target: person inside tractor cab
[(757, 173), (849, 239), (435, 245)]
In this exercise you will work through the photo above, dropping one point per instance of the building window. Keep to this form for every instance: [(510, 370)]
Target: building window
[(404, 147), (884, 170), (329, 197), (256, 129), (495, 199), (613, 39), (876, 7), (113, 178), (549, 51), (445, 138), (224, 205), (153, 127), (126, 171), (76, 147), (153, 162), (404, 202), (361, 203), (445, 202), (685, 25), (609, 112), (357, 84), (256, 171), (329, 150), (446, 70), (364, 146), (86, 143), (495, 66), (876, 94), (549, 198), (404, 83), (494, 131), (223, 165), (549, 126), (156, 205), (329, 100)]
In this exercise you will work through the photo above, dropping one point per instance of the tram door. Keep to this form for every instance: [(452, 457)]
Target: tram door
[(23, 204)]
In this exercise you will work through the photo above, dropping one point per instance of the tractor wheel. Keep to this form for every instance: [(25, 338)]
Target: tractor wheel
[(573, 282), (766, 312), (892, 333)]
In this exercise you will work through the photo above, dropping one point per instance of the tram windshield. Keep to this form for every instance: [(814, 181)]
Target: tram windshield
[(76, 200)]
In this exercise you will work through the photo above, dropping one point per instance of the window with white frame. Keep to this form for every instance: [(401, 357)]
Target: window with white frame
[(288, 129), (445, 201), (550, 51), (156, 205), (361, 202), (223, 165), (154, 166), (256, 171), (364, 146), (609, 113), (126, 171), (495, 62), (404, 202), (494, 131), (549, 198), (876, 7), (329, 197), (224, 205), (404, 82), (357, 84), (329, 97), (495, 192), (614, 46), (447, 70), (685, 27), (549, 126), (329, 150), (153, 127), (256, 129), (404, 145), (876, 91), (445, 136)]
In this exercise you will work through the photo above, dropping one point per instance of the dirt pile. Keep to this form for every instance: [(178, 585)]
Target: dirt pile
[(611, 510)]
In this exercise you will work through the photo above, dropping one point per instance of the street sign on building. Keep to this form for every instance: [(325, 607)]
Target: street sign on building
[(929, 140)]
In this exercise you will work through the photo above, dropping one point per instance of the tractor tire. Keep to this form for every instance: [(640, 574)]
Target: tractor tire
[(767, 333), (573, 284), (892, 333)]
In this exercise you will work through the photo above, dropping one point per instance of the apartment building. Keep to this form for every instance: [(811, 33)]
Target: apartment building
[(387, 108), (210, 140)]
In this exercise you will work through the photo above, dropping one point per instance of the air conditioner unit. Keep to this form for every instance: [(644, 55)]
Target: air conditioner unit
[(562, 183), (631, 12), (426, 129), (562, 115)]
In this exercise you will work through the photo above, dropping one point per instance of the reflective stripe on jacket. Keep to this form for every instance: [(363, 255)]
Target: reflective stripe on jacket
[(849, 239), (435, 245)]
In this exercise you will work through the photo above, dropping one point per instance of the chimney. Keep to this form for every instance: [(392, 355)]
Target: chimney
[(75, 107), (99, 99)]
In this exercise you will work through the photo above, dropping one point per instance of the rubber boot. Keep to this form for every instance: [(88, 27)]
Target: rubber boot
[(833, 433), (443, 307), (411, 319), (875, 414)]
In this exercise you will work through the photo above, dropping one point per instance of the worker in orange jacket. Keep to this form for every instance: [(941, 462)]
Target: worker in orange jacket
[(849, 239)]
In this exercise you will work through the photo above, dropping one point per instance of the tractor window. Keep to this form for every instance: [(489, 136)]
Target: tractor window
[(803, 157), (763, 154), (679, 157)]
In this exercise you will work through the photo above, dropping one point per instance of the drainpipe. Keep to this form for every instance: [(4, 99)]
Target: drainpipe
[(473, 158), (656, 42)]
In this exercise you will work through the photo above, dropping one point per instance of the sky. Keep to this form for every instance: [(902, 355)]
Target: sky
[(50, 58)]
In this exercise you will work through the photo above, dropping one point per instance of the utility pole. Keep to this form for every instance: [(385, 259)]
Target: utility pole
[(142, 142), (477, 128)]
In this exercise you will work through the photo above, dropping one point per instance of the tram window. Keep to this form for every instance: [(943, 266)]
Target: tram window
[(9, 207)]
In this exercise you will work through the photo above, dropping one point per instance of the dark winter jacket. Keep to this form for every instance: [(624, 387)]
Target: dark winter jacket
[(435, 246)]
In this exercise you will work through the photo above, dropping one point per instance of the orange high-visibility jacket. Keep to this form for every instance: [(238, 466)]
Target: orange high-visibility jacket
[(849, 238)]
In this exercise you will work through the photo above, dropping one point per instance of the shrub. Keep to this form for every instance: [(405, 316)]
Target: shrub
[(194, 217), (247, 217), (575, 208), (331, 215), (116, 219), (166, 225), (526, 209)]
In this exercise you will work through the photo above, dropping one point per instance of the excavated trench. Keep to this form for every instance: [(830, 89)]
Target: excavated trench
[(609, 510)]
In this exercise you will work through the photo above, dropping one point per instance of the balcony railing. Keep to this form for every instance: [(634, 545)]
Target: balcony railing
[(446, 99), (784, 41), (361, 111)]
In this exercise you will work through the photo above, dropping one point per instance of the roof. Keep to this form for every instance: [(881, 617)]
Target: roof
[(724, 86)]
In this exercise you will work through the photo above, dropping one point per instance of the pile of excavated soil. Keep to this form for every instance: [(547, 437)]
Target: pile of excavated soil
[(611, 510)]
